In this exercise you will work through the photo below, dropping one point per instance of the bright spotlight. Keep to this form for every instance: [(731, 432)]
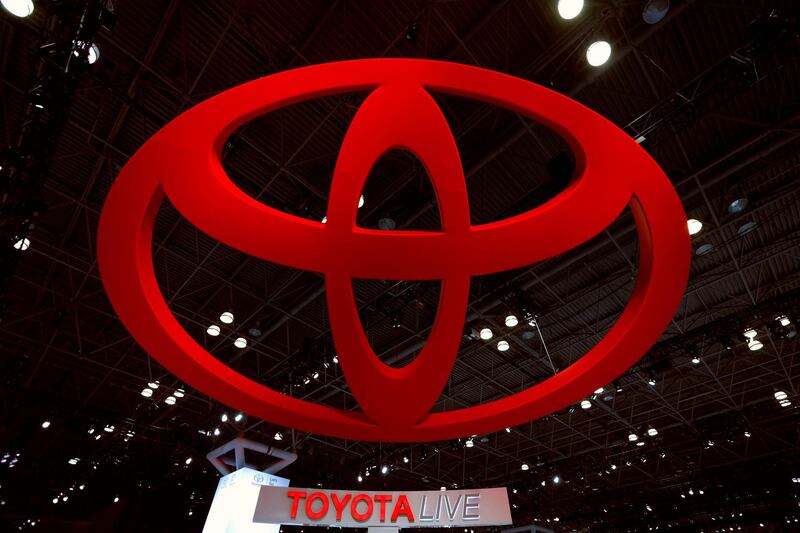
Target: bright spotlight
[(569, 9), (598, 53)]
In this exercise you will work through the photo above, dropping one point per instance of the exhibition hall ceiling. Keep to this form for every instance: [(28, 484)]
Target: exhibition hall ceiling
[(704, 427)]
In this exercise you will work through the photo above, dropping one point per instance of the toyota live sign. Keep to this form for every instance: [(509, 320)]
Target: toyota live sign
[(397, 509)]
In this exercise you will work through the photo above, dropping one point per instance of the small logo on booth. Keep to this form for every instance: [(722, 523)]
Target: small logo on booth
[(182, 162)]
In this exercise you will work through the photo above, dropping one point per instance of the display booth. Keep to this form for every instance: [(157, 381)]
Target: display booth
[(252, 501)]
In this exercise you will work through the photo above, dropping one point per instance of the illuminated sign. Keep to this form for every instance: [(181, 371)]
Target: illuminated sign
[(401, 509), (182, 162)]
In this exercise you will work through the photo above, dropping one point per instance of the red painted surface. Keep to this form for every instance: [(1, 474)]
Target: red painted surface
[(182, 162)]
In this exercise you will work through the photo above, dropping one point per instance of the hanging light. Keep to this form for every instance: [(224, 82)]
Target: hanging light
[(361, 201), (216, 432), (633, 437), (179, 393), (502, 346), (569, 9), (240, 342), (45, 424), (93, 54), (783, 320), (469, 443), (147, 392), (694, 226), (511, 321), (170, 400), (598, 53), (360, 478), (586, 404), (556, 480), (18, 8), (278, 435), (599, 391), (486, 334), (213, 330), (384, 469), (750, 333), (780, 395), (524, 466), (695, 360), (22, 244), (737, 206), (153, 384), (226, 317), (238, 417), (224, 417), (652, 432), (754, 344)]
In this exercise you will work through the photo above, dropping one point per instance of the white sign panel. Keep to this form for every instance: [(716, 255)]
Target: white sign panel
[(403, 509), (235, 500)]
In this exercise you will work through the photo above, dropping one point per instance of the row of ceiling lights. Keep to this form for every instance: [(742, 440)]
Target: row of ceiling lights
[(226, 318), (171, 399)]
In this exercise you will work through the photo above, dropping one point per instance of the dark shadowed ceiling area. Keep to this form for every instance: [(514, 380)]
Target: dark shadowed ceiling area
[(710, 91)]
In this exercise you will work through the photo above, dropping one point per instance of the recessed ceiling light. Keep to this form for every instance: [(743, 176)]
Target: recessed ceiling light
[(598, 53)]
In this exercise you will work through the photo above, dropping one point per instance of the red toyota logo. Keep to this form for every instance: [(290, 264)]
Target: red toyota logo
[(182, 161)]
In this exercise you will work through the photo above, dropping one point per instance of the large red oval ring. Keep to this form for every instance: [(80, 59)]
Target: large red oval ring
[(191, 144)]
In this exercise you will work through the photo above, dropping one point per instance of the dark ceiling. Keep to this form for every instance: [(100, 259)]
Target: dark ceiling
[(713, 89)]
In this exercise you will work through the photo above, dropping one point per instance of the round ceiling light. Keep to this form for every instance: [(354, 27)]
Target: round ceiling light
[(226, 317), (18, 8), (486, 334), (737, 206), (502, 346), (654, 11), (598, 53), (694, 226), (241, 342), (569, 9), (511, 321)]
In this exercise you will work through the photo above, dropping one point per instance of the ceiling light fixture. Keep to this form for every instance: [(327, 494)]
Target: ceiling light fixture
[(170, 400), (361, 201), (278, 435), (502, 346), (780, 395), (694, 226), (240, 342), (586, 404), (737, 206), (226, 317), (18, 8), (45, 424), (569, 9), (633, 437), (524, 466), (511, 321), (696, 360), (598, 53), (652, 432), (213, 330), (486, 334), (22, 244)]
